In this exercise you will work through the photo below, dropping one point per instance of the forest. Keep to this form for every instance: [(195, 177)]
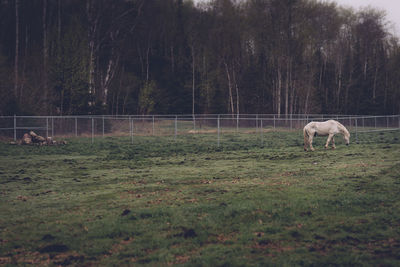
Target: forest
[(117, 57)]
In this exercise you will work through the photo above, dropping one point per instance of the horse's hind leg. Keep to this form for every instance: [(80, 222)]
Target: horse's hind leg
[(305, 142), (310, 139)]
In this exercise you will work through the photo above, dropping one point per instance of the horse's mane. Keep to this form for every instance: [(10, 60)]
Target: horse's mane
[(342, 128)]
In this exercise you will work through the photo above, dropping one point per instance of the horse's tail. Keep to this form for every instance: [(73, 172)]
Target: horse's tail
[(305, 133)]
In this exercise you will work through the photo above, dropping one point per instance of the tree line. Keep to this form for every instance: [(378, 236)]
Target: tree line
[(64, 57)]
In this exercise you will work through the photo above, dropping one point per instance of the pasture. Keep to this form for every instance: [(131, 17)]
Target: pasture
[(161, 201)]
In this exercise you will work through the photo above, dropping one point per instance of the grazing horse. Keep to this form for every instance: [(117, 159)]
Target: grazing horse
[(325, 128)]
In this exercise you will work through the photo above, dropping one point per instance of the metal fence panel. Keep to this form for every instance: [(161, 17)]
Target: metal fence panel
[(218, 125)]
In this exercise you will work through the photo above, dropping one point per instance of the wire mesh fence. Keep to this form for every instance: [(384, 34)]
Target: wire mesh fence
[(217, 125)]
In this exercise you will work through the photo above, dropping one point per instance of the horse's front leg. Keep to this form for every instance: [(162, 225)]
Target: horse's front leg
[(328, 140), (305, 141), (333, 143)]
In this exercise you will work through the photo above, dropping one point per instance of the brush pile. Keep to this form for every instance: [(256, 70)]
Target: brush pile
[(32, 138)]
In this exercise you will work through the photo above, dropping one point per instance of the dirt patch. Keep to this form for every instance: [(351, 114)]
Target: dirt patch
[(181, 259), (273, 247), (5, 260), (125, 212), (36, 258), (202, 131), (187, 233), (48, 237), (54, 248)]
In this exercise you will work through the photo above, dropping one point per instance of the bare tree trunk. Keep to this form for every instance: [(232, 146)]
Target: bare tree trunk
[(287, 87), (117, 104), (92, 90), (339, 85), (278, 91), (308, 94), (320, 80), (326, 87), (92, 31), (365, 68), (375, 80), (16, 59), (193, 79), (147, 60), (273, 95), (59, 22), (62, 103), (292, 96), (111, 68), (237, 92), (125, 101), (25, 58), (110, 72), (349, 83), (172, 59), (207, 87), (45, 55), (386, 89), (230, 89)]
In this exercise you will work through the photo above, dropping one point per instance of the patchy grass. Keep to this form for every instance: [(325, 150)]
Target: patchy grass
[(255, 200)]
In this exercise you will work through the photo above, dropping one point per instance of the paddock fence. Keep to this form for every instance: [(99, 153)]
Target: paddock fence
[(13, 127)]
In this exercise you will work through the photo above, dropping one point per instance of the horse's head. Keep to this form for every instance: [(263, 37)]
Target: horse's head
[(346, 137), (345, 132)]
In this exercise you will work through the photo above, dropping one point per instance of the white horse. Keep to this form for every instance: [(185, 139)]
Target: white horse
[(325, 128)]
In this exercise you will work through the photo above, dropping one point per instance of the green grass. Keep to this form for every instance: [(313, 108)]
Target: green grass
[(255, 200)]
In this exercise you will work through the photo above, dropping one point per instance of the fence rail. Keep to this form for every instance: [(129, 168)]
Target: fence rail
[(13, 127)]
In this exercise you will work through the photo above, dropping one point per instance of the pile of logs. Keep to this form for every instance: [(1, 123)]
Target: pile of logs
[(32, 138)]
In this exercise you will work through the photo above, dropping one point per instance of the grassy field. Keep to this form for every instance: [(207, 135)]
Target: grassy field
[(252, 201)]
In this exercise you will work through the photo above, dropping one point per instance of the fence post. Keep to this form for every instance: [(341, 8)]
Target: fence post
[(103, 125), (47, 127), (237, 123), (92, 130), (153, 126), (176, 127), (350, 125), (261, 125), (218, 130), (194, 123), (76, 126), (131, 120), (256, 123), (375, 121), (15, 128), (274, 122), (291, 126), (52, 126), (130, 127), (399, 121), (356, 130), (387, 122)]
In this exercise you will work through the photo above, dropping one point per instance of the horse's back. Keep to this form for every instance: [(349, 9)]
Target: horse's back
[(322, 128)]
